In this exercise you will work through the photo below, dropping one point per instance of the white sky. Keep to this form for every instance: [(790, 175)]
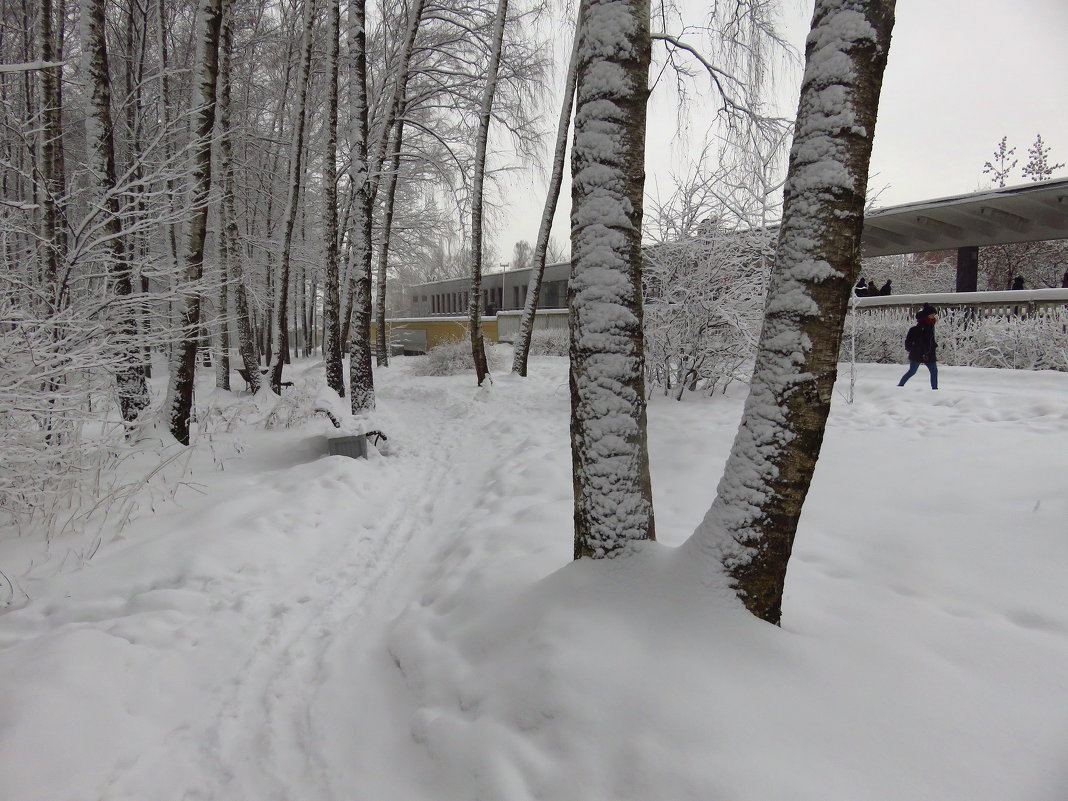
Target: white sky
[(961, 74)]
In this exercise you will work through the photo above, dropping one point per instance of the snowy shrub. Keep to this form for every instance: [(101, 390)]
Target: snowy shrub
[(965, 338), (453, 357), (703, 309), (549, 343)]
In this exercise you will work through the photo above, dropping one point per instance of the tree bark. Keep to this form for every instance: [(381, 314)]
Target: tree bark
[(179, 403), (129, 373), (361, 375), (530, 309), (50, 190), (230, 238), (485, 113), (296, 173), (334, 365), (383, 249), (613, 491), (751, 526)]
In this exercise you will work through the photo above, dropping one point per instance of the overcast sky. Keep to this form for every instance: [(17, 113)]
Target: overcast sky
[(961, 74)]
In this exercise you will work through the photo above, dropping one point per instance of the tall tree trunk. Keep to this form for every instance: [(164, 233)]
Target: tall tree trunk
[(609, 451), (50, 191), (296, 173), (383, 250), (165, 113), (129, 373), (750, 528), (222, 358), (530, 309), (485, 113), (361, 375), (332, 359), (179, 403), (313, 334)]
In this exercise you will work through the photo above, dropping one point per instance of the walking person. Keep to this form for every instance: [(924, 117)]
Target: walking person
[(920, 344)]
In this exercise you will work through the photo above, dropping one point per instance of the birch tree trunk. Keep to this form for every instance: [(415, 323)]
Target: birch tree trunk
[(609, 451), (530, 309), (50, 189), (296, 173), (478, 344), (383, 249), (129, 373), (230, 252), (334, 364), (361, 375), (179, 402), (750, 528)]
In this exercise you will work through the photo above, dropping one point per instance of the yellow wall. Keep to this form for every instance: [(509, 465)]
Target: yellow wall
[(440, 330)]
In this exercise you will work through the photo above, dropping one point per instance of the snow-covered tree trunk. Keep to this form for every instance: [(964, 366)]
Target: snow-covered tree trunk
[(230, 238), (382, 342), (100, 144), (51, 190), (613, 492), (332, 359), (530, 309), (478, 345), (179, 400), (165, 115), (289, 220), (361, 374), (751, 525)]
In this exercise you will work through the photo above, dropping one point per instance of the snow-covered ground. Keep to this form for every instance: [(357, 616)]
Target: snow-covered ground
[(411, 628)]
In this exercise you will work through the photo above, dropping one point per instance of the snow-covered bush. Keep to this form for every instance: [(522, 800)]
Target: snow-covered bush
[(549, 343), (966, 338), (452, 357), (703, 308)]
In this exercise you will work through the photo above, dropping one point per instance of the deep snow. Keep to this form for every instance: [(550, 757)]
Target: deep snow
[(304, 627)]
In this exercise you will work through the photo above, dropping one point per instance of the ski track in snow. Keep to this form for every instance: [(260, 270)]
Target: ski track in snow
[(285, 671), (251, 646), (255, 737)]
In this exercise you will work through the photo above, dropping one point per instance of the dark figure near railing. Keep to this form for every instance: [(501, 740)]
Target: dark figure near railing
[(1017, 282), (885, 288), (861, 289), (920, 344), (872, 289), (1064, 280)]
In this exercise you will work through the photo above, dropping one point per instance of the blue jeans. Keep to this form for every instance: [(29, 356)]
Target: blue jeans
[(914, 366)]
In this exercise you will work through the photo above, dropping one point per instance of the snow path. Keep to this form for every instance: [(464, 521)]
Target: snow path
[(411, 627), (247, 599)]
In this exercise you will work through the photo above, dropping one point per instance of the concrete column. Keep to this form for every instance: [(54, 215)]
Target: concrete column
[(968, 268)]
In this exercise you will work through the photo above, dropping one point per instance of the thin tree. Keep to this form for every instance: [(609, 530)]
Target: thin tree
[(130, 372), (332, 359), (179, 400), (750, 528), (50, 188), (1003, 162), (552, 196), (230, 253), (361, 374), (1038, 167), (478, 344), (289, 220), (381, 340), (609, 451)]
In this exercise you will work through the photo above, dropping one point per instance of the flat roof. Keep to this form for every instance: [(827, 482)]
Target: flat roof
[(1032, 212)]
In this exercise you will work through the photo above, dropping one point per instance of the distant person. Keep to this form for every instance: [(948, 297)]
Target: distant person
[(861, 289), (920, 344), (1064, 280), (885, 288), (872, 290), (1017, 282)]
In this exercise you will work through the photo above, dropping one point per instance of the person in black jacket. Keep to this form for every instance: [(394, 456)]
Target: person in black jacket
[(920, 344)]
